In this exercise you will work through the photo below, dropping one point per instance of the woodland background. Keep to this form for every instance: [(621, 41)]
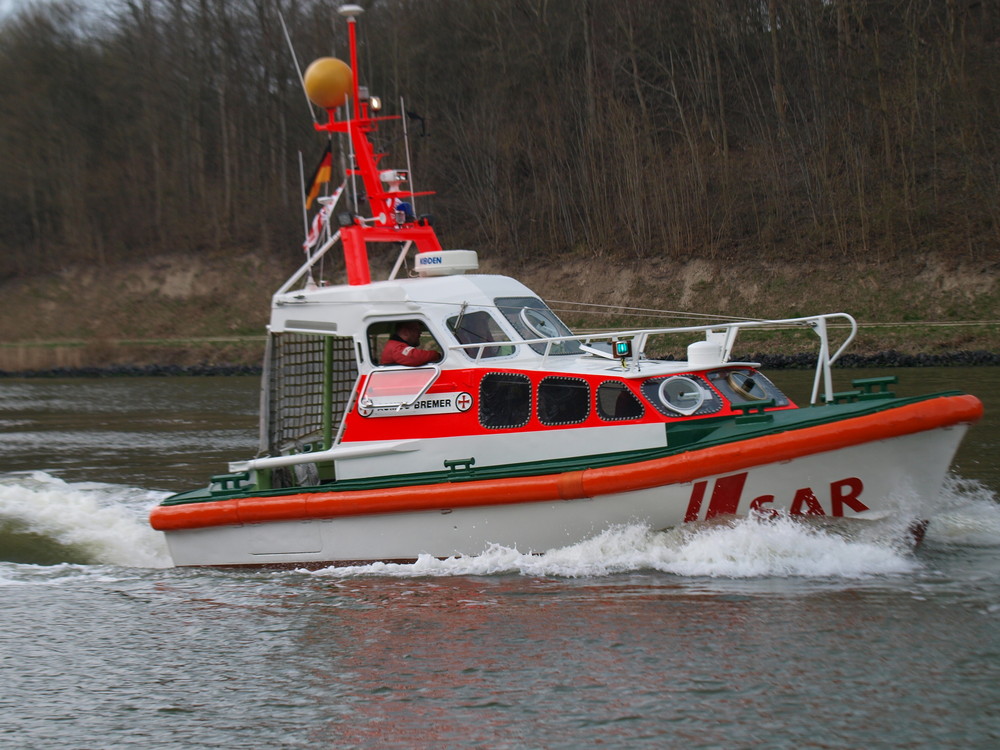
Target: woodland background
[(738, 133), (617, 127)]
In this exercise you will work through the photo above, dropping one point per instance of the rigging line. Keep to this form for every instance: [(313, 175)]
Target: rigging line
[(459, 305), (444, 303), (678, 313), (657, 316), (441, 303), (298, 69), (673, 315)]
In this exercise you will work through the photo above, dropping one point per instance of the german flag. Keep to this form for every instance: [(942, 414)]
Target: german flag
[(320, 176)]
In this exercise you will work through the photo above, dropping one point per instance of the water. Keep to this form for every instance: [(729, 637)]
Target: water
[(755, 634)]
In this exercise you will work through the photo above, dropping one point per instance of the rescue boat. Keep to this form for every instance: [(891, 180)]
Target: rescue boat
[(439, 411)]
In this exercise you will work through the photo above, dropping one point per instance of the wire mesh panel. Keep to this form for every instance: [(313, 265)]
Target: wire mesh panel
[(294, 383)]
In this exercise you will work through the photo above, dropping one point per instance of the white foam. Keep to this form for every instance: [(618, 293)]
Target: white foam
[(968, 515), (110, 523), (747, 548), (107, 521)]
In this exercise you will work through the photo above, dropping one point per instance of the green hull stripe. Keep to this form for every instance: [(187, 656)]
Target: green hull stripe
[(681, 438)]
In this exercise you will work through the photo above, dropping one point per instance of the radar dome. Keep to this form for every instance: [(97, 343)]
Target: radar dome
[(328, 81)]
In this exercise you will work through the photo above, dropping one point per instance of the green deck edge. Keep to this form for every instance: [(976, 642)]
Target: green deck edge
[(681, 438)]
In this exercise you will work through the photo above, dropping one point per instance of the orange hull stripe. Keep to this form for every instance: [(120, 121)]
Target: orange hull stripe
[(677, 469)]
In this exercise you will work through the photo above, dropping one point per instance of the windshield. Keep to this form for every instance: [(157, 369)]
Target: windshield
[(479, 327), (532, 319)]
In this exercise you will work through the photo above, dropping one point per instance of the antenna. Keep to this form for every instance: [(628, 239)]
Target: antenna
[(350, 12), (305, 211), (288, 39), (409, 165)]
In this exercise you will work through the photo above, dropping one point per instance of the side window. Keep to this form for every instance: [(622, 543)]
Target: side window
[(378, 335), (615, 401), (744, 385), (563, 400), (480, 327), (504, 400), (532, 319)]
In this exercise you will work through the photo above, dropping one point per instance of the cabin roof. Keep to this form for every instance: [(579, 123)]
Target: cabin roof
[(349, 307)]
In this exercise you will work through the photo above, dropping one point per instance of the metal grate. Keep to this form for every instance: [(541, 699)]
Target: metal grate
[(293, 388)]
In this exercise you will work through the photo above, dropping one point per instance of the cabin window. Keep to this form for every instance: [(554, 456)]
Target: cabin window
[(380, 331), (563, 401), (532, 319), (395, 387), (479, 327), (744, 386), (681, 396), (615, 401), (504, 400)]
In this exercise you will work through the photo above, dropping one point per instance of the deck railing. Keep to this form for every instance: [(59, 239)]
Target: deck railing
[(722, 334)]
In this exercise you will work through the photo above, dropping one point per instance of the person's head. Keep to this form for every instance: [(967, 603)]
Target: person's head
[(409, 331)]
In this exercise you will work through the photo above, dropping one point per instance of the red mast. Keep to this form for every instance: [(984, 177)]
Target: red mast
[(386, 223)]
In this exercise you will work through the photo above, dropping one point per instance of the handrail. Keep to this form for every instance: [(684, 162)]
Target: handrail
[(818, 323), (365, 402), (305, 267), (336, 453)]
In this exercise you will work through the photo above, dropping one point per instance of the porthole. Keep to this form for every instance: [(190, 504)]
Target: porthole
[(538, 324), (681, 394), (744, 383), (744, 386)]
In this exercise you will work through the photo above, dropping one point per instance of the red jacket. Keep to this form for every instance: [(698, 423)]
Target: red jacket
[(398, 352)]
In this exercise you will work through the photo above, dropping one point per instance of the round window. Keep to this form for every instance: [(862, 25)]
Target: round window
[(681, 394), (538, 323), (746, 386)]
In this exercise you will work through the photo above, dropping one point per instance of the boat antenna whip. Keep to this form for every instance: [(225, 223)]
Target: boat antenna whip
[(312, 114), (305, 211), (406, 143), (298, 68)]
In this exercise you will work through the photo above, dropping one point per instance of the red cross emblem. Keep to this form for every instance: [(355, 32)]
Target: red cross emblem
[(463, 402)]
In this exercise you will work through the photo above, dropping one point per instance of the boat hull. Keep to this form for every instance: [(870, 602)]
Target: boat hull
[(832, 471)]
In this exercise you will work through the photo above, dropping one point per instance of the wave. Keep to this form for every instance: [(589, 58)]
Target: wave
[(744, 548), (968, 514), (45, 520)]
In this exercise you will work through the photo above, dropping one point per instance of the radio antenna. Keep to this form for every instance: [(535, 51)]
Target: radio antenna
[(409, 165), (298, 69)]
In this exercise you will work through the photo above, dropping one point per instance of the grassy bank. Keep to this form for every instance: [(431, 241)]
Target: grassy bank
[(211, 310)]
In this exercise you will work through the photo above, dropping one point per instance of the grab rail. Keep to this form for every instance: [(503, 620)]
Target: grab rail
[(724, 334)]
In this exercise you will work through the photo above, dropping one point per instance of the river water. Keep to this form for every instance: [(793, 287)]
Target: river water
[(753, 634)]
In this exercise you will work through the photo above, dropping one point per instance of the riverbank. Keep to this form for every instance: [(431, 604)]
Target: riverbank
[(802, 361), (206, 314)]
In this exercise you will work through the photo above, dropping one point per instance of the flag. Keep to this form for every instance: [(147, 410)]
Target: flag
[(317, 226), (320, 176), (321, 218)]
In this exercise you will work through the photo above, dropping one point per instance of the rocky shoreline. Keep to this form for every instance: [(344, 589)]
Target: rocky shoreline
[(803, 361)]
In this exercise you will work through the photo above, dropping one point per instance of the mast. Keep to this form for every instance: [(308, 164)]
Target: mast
[(331, 84)]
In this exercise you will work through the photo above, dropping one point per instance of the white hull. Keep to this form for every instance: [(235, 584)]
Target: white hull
[(900, 476)]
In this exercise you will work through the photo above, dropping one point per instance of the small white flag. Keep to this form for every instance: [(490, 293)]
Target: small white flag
[(322, 217)]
